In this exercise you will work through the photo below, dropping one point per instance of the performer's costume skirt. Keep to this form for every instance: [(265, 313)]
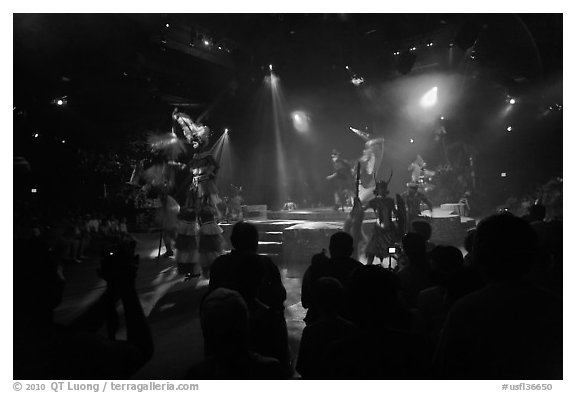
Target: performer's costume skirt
[(186, 247), (381, 239)]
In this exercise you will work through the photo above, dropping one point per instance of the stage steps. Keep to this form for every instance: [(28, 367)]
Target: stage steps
[(270, 235)]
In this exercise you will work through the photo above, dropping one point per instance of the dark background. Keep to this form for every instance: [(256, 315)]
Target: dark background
[(122, 74)]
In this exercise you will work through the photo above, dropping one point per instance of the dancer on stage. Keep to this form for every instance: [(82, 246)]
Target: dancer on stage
[(342, 178), (189, 174), (385, 234), (369, 167), (413, 198)]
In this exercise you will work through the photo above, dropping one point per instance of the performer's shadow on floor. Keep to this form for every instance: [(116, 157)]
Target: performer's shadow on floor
[(182, 300)]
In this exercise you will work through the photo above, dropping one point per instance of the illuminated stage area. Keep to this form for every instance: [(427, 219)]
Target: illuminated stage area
[(281, 196), (292, 237)]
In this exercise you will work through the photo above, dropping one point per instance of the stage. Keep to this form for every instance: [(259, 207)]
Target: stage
[(292, 237)]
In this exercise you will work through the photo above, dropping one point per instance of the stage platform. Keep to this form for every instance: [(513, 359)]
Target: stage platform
[(292, 237)]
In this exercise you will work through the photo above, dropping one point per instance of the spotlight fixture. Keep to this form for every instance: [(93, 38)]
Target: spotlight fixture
[(60, 101), (413, 48), (411, 140), (430, 44), (226, 130), (167, 24), (270, 67), (503, 174), (348, 68), (34, 191), (441, 117), (206, 42), (512, 101), (36, 135), (63, 141), (509, 128), (357, 80)]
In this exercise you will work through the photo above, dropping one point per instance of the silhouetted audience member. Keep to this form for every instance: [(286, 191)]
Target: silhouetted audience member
[(434, 302), (424, 229), (224, 319), (415, 275), (509, 329), (383, 347), (469, 246), (536, 212), (46, 350), (229, 270), (329, 328), (257, 279), (547, 271), (339, 266)]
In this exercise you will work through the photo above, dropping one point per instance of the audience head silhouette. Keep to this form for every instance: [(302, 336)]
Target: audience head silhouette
[(341, 245), (329, 294), (414, 246), (373, 295), (244, 237), (537, 212), (505, 246), (444, 262), (469, 240), (423, 228), (224, 322)]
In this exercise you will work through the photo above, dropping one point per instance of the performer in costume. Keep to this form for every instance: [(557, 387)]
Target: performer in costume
[(202, 165), (210, 240), (413, 198), (235, 204), (353, 223), (186, 245), (417, 168), (369, 166), (342, 177), (384, 234), (189, 175)]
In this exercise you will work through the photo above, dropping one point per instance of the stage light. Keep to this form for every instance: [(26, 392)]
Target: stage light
[(411, 140), (509, 128), (167, 25), (503, 174), (451, 45), (512, 101), (300, 121), (206, 42), (357, 80), (429, 99), (219, 47), (430, 43), (441, 117), (271, 80), (226, 130), (270, 67), (34, 191), (413, 48), (347, 67), (60, 102), (63, 141), (36, 135)]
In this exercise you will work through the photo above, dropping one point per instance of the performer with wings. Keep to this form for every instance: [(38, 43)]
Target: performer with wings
[(192, 182), (369, 167)]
